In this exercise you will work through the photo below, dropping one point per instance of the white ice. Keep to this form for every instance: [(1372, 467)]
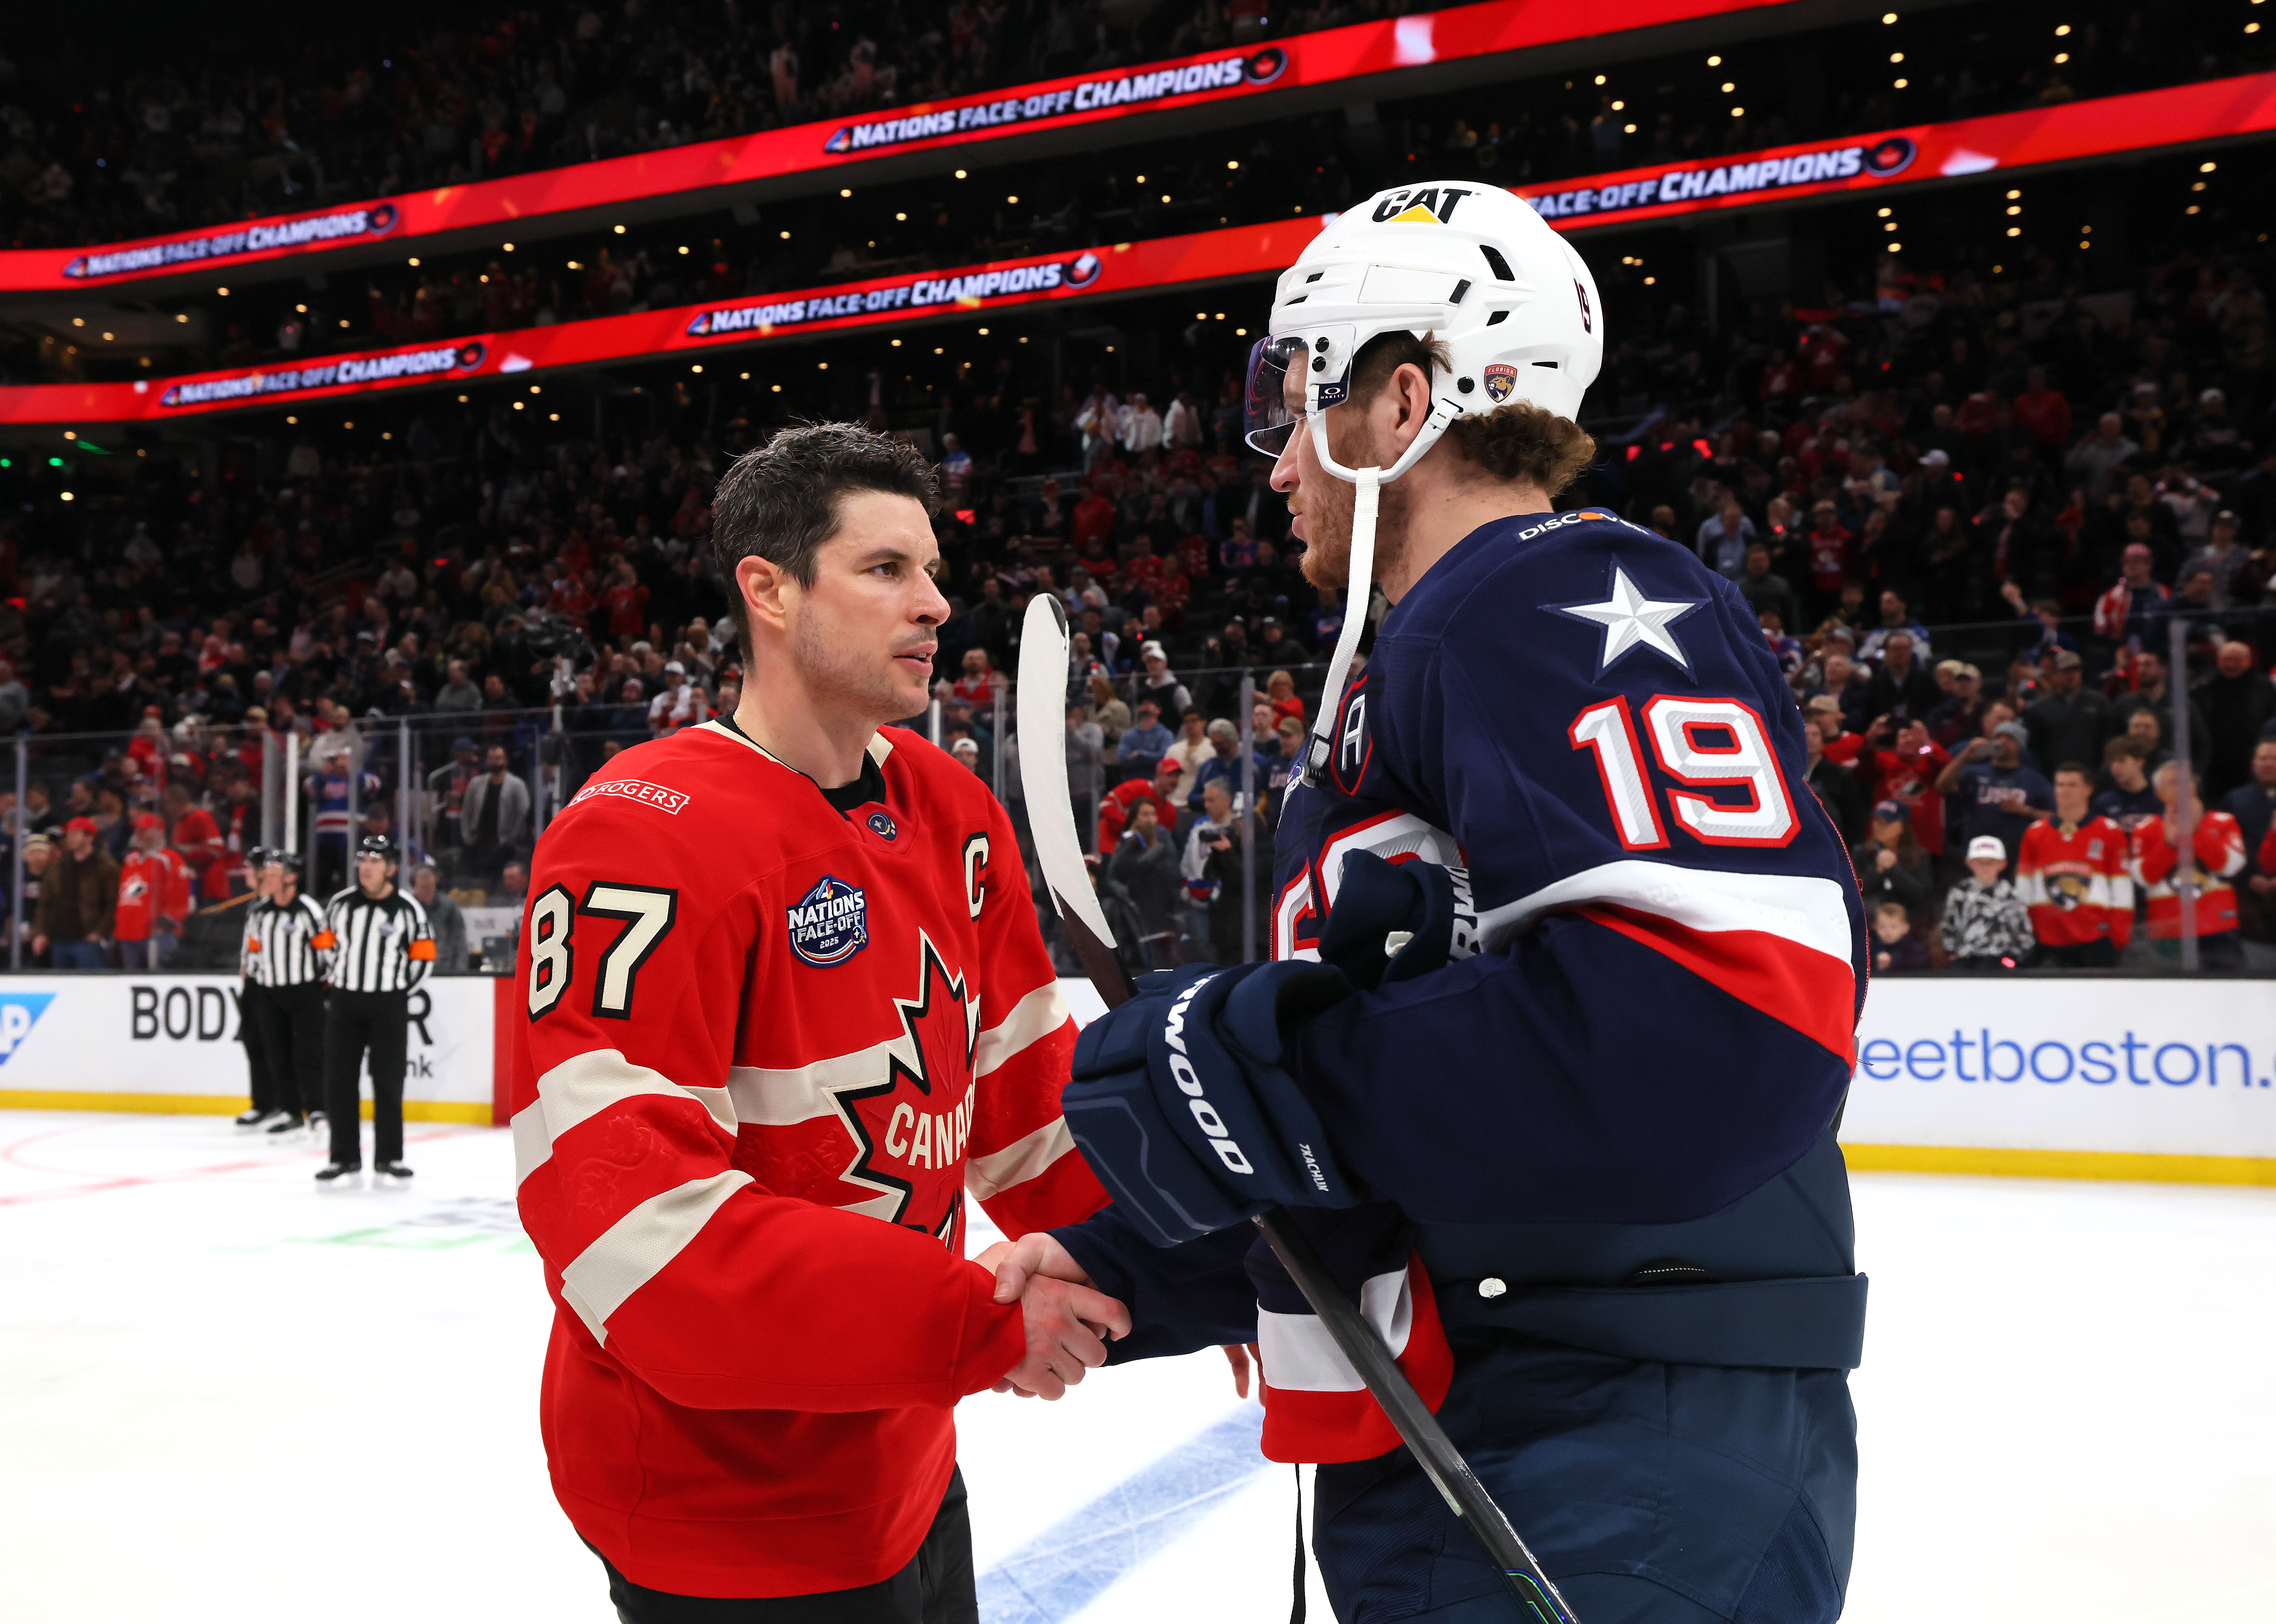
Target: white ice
[(225, 1395)]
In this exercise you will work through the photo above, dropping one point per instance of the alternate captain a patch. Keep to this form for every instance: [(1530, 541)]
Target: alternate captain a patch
[(830, 924)]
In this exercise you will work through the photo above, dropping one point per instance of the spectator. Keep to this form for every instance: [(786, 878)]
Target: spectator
[(2073, 722), (1191, 748), (446, 789), (198, 838), (1890, 866), (2095, 461), (1145, 741), (1158, 683), (2227, 562), (1900, 689), (1994, 792), (1766, 593), (444, 918), (2132, 611), (1834, 784), (2217, 858), (1145, 863), (966, 752), (1114, 812), (1724, 538), (154, 898), (1960, 714), (2253, 806), (1896, 616), (2125, 797), (2151, 696), (15, 700), (1215, 874), (1909, 773), (1222, 763), (977, 686), (1896, 948), (1085, 754), (457, 696), (2237, 703), (79, 902), (494, 817), (2072, 874), (1986, 927)]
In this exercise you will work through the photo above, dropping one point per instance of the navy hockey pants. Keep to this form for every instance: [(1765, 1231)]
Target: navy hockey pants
[(1652, 1493)]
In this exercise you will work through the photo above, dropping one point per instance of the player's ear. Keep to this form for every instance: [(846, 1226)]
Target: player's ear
[(764, 586)]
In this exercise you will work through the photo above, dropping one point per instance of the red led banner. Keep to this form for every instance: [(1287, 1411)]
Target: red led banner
[(2007, 142), (723, 325), (1305, 60), (2149, 118)]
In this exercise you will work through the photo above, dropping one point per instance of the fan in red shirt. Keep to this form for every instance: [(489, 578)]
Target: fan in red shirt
[(2071, 873), (1122, 800), (2216, 847), (789, 1007), (1908, 773), (198, 838), (626, 600), (1828, 548), (153, 898)]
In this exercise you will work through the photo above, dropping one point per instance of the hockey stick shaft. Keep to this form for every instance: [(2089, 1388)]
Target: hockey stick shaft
[(1364, 1347)]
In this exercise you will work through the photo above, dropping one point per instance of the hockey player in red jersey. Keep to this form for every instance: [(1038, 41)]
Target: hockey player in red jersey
[(787, 1005), (2217, 844), (2071, 871)]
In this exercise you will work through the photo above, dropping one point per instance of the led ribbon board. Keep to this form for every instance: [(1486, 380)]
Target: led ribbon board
[(1330, 56), (1924, 152), (2073, 130)]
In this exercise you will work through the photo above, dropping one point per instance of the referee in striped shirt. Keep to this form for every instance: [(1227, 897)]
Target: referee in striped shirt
[(381, 948), (284, 970)]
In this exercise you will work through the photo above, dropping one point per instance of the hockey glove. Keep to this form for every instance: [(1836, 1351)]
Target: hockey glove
[(1181, 1105), (1375, 900)]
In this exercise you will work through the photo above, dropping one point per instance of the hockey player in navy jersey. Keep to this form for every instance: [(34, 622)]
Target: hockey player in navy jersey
[(1568, 963)]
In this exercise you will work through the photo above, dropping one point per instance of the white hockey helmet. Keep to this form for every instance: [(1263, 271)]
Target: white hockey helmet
[(1472, 265)]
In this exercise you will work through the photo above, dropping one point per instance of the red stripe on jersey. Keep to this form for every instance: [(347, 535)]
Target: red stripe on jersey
[(1797, 986), (1315, 1428)]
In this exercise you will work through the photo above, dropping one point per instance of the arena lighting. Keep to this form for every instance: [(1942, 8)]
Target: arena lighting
[(2151, 120), (1337, 57)]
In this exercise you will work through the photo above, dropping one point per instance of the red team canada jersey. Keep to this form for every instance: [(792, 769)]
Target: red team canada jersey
[(2219, 841), (2073, 880), (773, 1042), (154, 888)]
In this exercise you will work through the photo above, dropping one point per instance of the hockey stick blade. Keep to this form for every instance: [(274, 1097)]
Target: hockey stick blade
[(1058, 853), (1041, 709)]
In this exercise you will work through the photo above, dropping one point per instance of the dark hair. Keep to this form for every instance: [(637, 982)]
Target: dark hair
[(1516, 442), (780, 502), (2079, 767)]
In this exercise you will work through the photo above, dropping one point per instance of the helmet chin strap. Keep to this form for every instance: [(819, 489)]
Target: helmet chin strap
[(1360, 576)]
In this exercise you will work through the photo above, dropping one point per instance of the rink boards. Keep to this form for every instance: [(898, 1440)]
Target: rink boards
[(2088, 1078), (170, 1043)]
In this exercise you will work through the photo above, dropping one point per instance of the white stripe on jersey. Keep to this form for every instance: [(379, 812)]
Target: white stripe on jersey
[(372, 952), (287, 955)]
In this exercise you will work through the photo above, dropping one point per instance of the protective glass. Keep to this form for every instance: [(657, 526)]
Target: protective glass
[(1279, 369)]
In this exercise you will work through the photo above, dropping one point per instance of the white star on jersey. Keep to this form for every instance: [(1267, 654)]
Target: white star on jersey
[(1631, 620)]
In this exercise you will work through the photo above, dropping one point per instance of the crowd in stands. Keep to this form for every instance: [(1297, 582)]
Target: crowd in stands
[(255, 125), (237, 125), (2050, 482)]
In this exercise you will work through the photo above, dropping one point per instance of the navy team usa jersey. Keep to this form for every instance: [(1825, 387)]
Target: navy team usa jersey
[(1662, 952)]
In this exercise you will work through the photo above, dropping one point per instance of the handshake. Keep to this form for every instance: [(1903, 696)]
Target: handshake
[(1069, 1322)]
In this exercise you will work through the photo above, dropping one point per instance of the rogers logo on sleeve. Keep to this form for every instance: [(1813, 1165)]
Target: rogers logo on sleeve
[(634, 789)]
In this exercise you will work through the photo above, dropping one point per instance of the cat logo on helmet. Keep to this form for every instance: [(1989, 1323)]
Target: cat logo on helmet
[(1500, 381), (1427, 206), (1588, 318)]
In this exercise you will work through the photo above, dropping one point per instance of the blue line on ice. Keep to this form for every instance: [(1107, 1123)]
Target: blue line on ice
[(1072, 1563)]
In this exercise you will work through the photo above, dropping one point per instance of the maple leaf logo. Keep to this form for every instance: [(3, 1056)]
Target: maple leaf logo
[(909, 1130)]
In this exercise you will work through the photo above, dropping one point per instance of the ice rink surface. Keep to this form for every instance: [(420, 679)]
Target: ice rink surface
[(225, 1395)]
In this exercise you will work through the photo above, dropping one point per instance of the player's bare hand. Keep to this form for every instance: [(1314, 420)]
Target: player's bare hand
[(1014, 1262), (1241, 1356), (1068, 1327)]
